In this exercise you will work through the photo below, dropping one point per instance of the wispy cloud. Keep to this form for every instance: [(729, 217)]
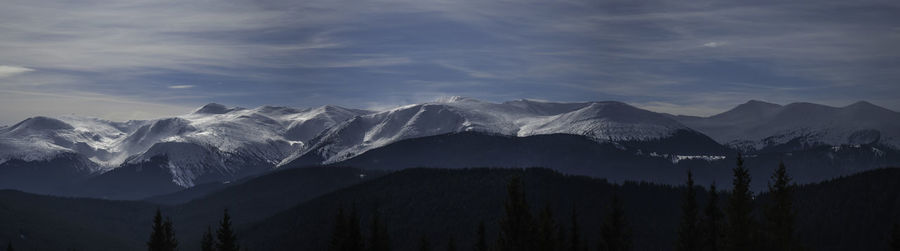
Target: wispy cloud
[(8, 70), (354, 53)]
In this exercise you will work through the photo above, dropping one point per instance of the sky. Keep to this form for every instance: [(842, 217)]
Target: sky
[(142, 59)]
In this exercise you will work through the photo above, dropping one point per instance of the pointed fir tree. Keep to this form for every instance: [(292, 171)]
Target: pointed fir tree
[(780, 213), (378, 235), (712, 222), (227, 239), (423, 244), (741, 226), (158, 236), (208, 242), (481, 241), (688, 231), (339, 233), (517, 225), (616, 235), (547, 231), (895, 237), (9, 247), (170, 242)]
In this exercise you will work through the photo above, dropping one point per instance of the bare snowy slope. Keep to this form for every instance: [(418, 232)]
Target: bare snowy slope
[(606, 121), (757, 125)]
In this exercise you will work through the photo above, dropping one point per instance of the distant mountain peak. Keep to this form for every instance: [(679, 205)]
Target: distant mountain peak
[(454, 99), (864, 105), (759, 103), (215, 108)]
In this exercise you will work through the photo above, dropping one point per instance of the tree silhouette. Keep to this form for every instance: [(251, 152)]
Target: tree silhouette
[(227, 239), (208, 242), (688, 231), (517, 226), (481, 242), (169, 232), (712, 221), (780, 213), (616, 235), (9, 247), (741, 226), (162, 236)]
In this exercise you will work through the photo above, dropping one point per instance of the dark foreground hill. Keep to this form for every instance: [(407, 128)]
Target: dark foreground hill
[(37, 222), (852, 213), (295, 209)]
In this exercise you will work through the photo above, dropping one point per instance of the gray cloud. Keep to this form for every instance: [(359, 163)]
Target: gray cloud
[(692, 58)]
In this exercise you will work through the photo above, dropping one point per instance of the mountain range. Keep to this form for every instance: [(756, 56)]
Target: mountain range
[(91, 157)]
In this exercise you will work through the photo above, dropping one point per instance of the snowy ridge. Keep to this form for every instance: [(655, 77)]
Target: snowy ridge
[(210, 139), (220, 142), (756, 125), (613, 121)]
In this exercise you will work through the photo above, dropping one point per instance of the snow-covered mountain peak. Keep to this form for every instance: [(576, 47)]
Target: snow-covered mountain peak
[(214, 108), (453, 99), (599, 120), (757, 125), (235, 137), (40, 123)]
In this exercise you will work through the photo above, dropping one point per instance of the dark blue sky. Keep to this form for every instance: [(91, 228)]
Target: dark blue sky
[(144, 59)]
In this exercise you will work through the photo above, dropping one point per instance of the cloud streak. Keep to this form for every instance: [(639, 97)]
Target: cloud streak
[(8, 70), (668, 56)]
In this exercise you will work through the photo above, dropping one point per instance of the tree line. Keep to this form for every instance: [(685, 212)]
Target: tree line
[(734, 227), (162, 236), (716, 226)]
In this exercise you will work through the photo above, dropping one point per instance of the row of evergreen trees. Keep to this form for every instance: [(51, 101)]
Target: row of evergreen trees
[(347, 235), (520, 230), (162, 237), (738, 229)]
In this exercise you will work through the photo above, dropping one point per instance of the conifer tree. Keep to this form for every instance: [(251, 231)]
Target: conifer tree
[(712, 222), (481, 242), (227, 239), (517, 226), (688, 231), (9, 247), (547, 231), (379, 240), (741, 226), (616, 235), (162, 236), (208, 242), (169, 232), (780, 213), (157, 237), (339, 234)]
